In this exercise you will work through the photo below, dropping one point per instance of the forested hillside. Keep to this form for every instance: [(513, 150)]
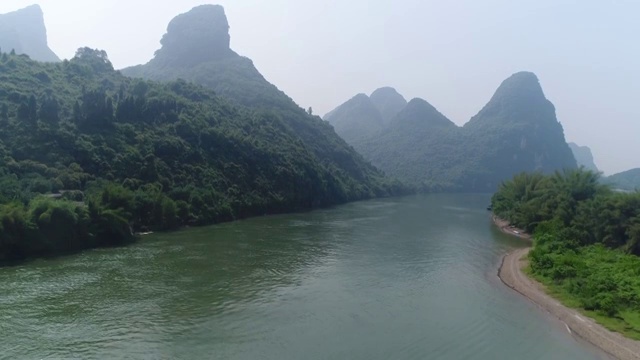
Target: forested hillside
[(388, 102), (627, 180), (587, 241), (129, 154), (356, 120), (196, 48), (516, 131), (420, 146)]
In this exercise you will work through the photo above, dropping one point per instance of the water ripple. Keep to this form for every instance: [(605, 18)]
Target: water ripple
[(408, 278)]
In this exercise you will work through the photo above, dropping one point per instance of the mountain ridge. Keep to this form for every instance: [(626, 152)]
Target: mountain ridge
[(517, 130), (235, 77), (628, 180)]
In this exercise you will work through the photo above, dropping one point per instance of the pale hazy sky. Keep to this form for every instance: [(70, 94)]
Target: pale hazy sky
[(451, 53)]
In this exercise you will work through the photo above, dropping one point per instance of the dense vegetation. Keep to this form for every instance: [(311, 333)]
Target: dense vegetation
[(356, 120), (131, 155), (627, 180), (203, 31), (516, 131), (363, 117), (420, 147), (587, 241)]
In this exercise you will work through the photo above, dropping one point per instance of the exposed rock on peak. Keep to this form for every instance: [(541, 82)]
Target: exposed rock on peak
[(519, 126), (388, 102), (24, 31), (196, 48), (583, 156), (199, 35)]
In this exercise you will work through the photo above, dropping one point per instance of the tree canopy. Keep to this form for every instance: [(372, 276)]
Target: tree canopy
[(586, 241), (131, 155)]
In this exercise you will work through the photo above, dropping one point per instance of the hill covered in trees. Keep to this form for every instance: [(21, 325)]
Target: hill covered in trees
[(586, 241), (627, 180), (356, 119), (362, 117), (516, 131), (130, 154), (24, 32), (388, 102), (196, 48), (583, 156)]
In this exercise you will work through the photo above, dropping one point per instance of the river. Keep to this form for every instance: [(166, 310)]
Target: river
[(401, 278)]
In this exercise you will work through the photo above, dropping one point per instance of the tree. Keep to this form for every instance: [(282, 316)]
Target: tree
[(4, 113), (96, 59), (49, 111), (33, 109)]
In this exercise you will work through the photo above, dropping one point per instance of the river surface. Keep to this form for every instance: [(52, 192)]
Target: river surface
[(401, 278)]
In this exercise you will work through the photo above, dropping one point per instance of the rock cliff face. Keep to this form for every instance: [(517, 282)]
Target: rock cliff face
[(195, 37), (516, 131), (24, 31), (196, 48), (583, 156)]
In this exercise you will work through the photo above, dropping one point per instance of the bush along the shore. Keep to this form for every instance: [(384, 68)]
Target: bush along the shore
[(47, 226), (88, 152), (586, 241)]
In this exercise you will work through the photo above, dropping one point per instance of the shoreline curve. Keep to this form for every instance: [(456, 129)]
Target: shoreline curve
[(511, 274)]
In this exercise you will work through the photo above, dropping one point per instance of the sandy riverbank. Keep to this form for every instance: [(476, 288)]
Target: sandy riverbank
[(510, 272)]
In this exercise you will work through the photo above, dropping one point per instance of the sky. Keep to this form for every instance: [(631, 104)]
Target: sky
[(454, 54)]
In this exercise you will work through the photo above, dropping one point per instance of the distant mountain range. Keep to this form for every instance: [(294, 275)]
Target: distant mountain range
[(627, 180), (24, 32), (583, 156), (516, 131)]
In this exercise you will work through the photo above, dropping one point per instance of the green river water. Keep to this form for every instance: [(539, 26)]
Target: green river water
[(401, 278)]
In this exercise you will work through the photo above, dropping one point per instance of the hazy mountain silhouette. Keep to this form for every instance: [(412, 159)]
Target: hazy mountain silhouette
[(356, 119), (516, 131), (583, 156), (24, 31), (196, 48), (388, 102), (626, 180)]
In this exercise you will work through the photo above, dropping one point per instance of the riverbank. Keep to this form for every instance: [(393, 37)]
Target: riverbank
[(511, 273)]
